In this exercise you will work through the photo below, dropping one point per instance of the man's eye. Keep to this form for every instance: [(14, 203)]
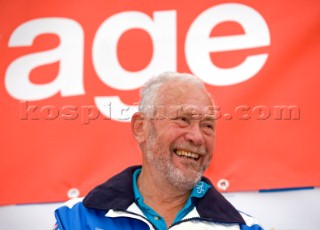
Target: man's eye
[(183, 119), (208, 126)]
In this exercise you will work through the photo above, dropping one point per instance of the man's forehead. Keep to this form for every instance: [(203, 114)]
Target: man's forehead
[(178, 91), (187, 110)]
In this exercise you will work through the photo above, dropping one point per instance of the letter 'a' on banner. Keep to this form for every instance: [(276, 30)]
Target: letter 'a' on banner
[(72, 74)]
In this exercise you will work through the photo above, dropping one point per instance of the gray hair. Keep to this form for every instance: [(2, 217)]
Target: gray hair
[(149, 92)]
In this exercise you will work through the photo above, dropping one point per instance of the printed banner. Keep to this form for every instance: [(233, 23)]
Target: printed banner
[(71, 73)]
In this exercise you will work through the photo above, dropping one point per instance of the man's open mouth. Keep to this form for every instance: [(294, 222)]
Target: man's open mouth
[(187, 154)]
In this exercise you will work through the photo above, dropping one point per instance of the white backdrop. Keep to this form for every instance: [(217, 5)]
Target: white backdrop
[(287, 210)]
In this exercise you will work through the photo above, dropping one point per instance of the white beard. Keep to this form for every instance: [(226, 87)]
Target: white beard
[(163, 163)]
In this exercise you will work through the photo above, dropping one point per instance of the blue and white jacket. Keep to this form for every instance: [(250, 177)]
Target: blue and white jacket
[(111, 206)]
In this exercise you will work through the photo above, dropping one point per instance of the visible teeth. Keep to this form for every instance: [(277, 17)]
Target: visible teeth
[(187, 154)]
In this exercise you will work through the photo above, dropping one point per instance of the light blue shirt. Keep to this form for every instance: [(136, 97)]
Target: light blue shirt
[(197, 192)]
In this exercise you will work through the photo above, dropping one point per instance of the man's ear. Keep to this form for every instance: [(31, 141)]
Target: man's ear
[(137, 127)]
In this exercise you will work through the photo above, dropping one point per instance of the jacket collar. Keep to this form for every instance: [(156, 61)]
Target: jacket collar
[(117, 194)]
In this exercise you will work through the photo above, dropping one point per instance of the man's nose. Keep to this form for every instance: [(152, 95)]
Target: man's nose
[(195, 135)]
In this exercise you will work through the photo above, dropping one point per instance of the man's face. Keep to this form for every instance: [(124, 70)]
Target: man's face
[(181, 135)]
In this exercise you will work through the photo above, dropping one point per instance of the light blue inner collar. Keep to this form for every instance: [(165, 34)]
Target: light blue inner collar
[(197, 192)]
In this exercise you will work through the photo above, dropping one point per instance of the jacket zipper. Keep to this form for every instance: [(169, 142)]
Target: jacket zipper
[(135, 214), (200, 219)]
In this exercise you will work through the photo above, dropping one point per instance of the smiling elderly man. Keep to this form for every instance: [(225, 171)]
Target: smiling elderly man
[(175, 130)]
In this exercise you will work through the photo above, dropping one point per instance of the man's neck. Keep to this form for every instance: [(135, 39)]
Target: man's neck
[(161, 196)]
